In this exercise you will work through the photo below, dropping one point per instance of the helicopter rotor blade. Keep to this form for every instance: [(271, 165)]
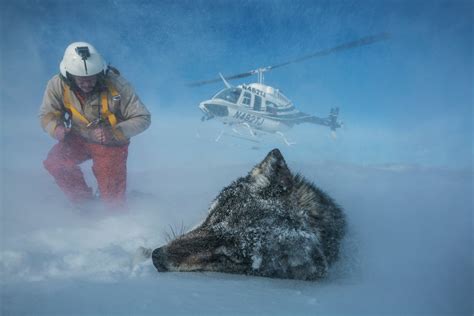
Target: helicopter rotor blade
[(203, 82), (346, 46)]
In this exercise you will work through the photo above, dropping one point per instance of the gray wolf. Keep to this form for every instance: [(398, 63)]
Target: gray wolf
[(269, 223)]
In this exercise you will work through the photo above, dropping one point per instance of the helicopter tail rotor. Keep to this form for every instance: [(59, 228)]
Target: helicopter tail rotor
[(333, 123)]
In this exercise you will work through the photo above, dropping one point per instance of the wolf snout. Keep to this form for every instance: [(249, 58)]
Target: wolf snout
[(159, 259)]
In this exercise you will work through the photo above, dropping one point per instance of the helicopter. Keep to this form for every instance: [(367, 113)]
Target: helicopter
[(256, 108)]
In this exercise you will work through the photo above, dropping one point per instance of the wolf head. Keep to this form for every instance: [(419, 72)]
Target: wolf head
[(270, 223)]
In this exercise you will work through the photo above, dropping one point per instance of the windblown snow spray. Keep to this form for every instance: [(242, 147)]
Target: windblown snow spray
[(270, 223)]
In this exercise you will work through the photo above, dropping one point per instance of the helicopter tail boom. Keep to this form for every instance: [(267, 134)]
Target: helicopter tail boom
[(330, 121)]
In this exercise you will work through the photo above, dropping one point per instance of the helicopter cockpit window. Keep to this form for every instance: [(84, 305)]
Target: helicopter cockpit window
[(230, 95), (246, 99), (269, 103), (271, 107)]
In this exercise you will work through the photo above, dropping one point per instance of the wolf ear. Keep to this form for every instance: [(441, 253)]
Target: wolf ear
[(272, 169)]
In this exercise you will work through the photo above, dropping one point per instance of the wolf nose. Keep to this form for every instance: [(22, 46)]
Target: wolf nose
[(159, 258)]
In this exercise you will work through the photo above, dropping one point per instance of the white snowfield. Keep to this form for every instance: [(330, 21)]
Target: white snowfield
[(408, 250)]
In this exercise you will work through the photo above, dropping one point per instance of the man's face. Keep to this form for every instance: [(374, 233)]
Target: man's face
[(86, 84)]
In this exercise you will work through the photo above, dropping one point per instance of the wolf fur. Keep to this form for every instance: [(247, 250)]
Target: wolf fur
[(270, 223)]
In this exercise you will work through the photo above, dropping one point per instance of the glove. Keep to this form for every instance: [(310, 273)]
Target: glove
[(60, 132), (103, 135)]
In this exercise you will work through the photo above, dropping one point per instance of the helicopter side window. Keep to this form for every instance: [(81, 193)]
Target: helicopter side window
[(230, 95), (257, 103), (247, 98)]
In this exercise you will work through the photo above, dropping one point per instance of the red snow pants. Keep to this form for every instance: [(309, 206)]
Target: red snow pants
[(109, 165)]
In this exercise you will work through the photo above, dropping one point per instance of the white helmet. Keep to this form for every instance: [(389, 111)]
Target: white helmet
[(82, 59)]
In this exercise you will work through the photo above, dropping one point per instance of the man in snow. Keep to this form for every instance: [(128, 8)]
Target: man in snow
[(93, 112)]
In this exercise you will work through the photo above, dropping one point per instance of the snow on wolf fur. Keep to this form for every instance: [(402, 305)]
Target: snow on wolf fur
[(270, 223)]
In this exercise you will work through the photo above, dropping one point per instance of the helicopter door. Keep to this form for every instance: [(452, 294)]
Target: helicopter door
[(257, 103)]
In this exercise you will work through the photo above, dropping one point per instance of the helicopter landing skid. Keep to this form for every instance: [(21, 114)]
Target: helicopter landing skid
[(247, 126), (251, 131), (254, 140), (286, 141), (253, 136), (219, 137), (238, 134)]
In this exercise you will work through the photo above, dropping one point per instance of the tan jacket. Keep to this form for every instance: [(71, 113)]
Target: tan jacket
[(132, 116)]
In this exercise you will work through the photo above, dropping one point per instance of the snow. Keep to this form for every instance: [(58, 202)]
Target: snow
[(401, 167), (408, 250)]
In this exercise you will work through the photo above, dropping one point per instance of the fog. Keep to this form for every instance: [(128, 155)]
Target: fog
[(401, 167)]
